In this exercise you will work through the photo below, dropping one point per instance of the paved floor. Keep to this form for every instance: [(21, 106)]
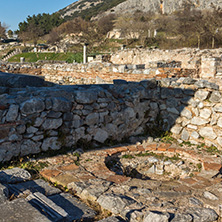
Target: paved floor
[(100, 179)]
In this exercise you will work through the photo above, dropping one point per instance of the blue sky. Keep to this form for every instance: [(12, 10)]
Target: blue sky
[(12, 12)]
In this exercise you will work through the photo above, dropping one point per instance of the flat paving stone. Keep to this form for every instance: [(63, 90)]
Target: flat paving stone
[(14, 175), (75, 208), (20, 210), (32, 187)]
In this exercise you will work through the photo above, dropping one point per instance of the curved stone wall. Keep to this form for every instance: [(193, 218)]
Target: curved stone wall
[(38, 119)]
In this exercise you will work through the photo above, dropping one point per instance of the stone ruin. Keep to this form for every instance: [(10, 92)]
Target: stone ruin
[(142, 180)]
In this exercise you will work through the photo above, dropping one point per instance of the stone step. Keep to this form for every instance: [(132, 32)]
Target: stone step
[(47, 206)]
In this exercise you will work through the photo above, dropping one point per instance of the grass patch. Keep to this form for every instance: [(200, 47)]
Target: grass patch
[(128, 156), (34, 57)]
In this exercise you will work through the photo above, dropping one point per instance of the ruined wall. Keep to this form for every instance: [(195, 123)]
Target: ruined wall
[(98, 72), (39, 119), (129, 64)]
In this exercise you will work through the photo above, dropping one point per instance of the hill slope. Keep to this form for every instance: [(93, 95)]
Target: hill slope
[(93, 8)]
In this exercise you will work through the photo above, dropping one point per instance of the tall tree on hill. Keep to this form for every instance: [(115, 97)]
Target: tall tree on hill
[(38, 25), (2, 30)]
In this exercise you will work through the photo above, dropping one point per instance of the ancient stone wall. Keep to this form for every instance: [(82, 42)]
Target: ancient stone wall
[(129, 64), (39, 119)]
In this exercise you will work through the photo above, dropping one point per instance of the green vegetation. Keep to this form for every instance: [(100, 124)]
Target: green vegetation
[(128, 156), (93, 10), (34, 57)]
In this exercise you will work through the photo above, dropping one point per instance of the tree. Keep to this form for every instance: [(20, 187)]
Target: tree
[(105, 24), (38, 25), (10, 33), (2, 30)]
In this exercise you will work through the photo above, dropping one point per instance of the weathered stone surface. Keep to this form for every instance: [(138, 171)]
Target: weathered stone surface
[(201, 94), (51, 143), (47, 206), (31, 129), (219, 122), (218, 108), (30, 147), (186, 113), (52, 124), (202, 214), (208, 132), (12, 113), (76, 210), (195, 201), (182, 218), (210, 195), (4, 193), (176, 129), (198, 121), (195, 135), (101, 136), (33, 186), (205, 113), (34, 105), (92, 119), (185, 135), (114, 203), (14, 175), (156, 216), (86, 97), (111, 219), (20, 210), (60, 104), (215, 97)]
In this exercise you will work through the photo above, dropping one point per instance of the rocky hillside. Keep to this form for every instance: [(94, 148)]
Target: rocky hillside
[(88, 8), (96, 8)]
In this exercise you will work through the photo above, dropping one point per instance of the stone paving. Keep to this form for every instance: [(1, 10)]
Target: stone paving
[(165, 183)]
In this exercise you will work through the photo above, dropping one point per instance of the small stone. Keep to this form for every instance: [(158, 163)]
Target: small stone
[(218, 108), (186, 113), (201, 94), (12, 113), (198, 121), (215, 97), (156, 216), (31, 129), (205, 113), (101, 136), (202, 214), (87, 96), (176, 129), (52, 124), (195, 135), (34, 105), (51, 143), (182, 218), (14, 175), (185, 135), (29, 147), (195, 201), (115, 203), (208, 132), (92, 119), (219, 122), (210, 195)]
